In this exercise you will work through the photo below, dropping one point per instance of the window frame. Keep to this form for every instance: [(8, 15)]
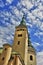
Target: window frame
[(19, 35), (31, 57), (18, 42)]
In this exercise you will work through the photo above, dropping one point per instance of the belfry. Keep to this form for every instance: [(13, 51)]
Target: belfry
[(21, 52)]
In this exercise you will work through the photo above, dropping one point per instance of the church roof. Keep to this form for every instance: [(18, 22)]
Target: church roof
[(22, 23), (6, 44), (30, 46)]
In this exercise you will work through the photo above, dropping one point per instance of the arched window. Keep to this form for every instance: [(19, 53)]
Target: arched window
[(5, 49), (18, 42), (3, 58), (19, 35), (31, 57)]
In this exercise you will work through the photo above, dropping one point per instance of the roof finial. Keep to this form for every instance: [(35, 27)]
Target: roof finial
[(23, 21), (24, 16)]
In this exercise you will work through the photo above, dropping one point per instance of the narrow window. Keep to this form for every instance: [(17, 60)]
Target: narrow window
[(20, 29), (17, 30), (3, 58), (23, 29), (18, 42), (5, 49), (31, 57), (11, 57), (19, 35)]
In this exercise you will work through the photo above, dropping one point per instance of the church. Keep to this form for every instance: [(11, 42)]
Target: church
[(21, 52)]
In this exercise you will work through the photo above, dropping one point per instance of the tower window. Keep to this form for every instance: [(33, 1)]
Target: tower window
[(19, 35), (20, 29), (17, 30), (18, 42), (3, 58), (23, 29), (12, 57), (5, 49), (31, 57)]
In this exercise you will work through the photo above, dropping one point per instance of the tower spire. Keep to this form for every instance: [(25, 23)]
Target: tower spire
[(23, 20)]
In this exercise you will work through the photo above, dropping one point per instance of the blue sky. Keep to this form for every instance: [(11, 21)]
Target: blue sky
[(11, 13)]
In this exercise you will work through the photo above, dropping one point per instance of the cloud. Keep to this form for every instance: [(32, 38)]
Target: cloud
[(29, 25), (38, 33), (34, 22), (6, 35), (9, 2), (7, 28), (41, 27), (26, 4), (1, 3), (34, 15), (36, 45), (40, 58)]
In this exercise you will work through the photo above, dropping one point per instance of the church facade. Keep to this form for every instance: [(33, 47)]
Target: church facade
[(21, 52)]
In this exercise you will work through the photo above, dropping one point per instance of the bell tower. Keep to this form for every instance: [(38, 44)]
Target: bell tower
[(20, 44)]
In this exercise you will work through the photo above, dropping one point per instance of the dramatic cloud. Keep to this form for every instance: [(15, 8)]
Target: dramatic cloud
[(11, 15), (14, 16)]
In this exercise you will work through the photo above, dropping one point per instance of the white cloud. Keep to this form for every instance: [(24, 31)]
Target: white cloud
[(41, 27), (9, 1), (6, 33), (27, 4), (35, 44), (34, 18), (30, 25), (40, 58), (38, 33)]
